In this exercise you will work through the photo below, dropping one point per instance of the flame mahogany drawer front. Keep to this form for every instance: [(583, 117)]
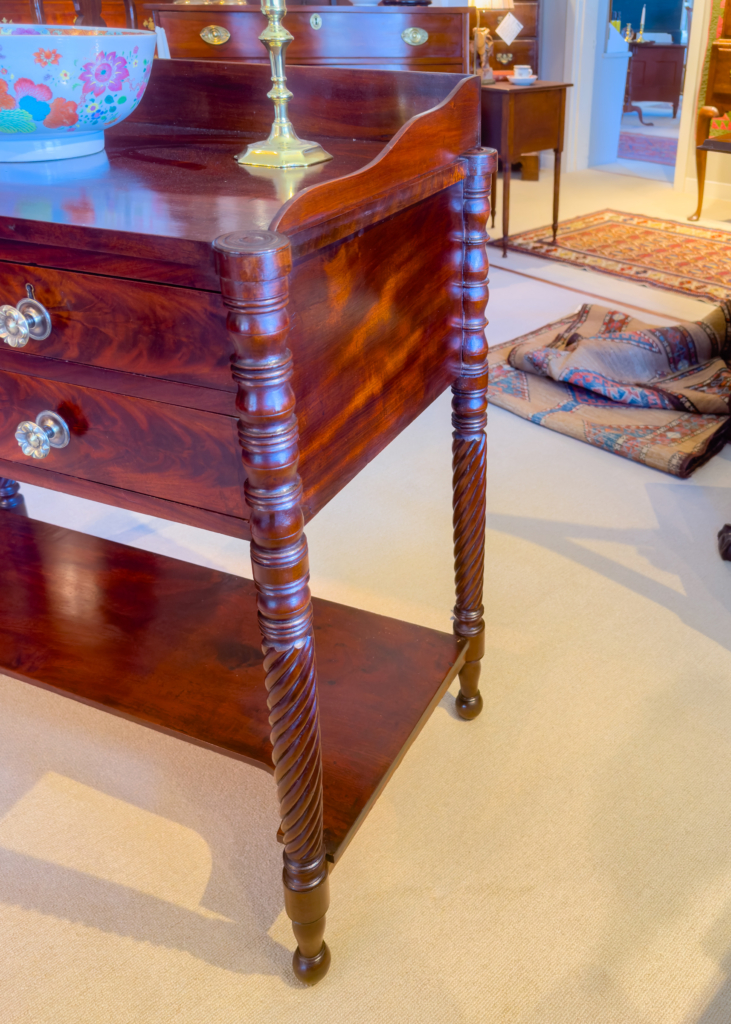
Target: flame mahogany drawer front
[(182, 455), (344, 35), (172, 333)]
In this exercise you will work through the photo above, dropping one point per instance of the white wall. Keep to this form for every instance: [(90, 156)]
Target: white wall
[(718, 172)]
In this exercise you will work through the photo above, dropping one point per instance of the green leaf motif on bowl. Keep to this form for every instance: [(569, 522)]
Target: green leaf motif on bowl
[(16, 121)]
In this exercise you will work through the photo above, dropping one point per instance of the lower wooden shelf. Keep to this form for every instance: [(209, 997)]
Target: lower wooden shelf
[(176, 647)]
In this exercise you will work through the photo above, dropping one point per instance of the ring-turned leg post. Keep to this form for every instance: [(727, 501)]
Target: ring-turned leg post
[(254, 268), (469, 445), (11, 500)]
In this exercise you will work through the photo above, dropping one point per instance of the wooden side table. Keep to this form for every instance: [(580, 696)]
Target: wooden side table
[(519, 119), (228, 347), (655, 75)]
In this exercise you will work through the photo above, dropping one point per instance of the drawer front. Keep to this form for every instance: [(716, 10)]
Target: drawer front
[(520, 51), (183, 455), (343, 35), (174, 333), (536, 122)]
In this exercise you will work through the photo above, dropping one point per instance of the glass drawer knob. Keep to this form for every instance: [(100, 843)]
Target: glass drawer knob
[(29, 319), (37, 439)]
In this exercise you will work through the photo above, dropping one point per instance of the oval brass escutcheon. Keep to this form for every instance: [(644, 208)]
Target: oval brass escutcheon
[(215, 35), (415, 36), (316, 21)]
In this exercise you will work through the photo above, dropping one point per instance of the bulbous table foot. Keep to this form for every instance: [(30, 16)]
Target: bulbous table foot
[(468, 707), (311, 969)]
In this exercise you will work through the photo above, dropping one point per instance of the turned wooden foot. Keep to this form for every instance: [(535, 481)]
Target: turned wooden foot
[(11, 500), (307, 910), (469, 698)]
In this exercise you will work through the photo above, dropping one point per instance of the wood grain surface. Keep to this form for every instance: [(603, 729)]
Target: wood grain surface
[(346, 37), (183, 455), (169, 333), (177, 647), (372, 346)]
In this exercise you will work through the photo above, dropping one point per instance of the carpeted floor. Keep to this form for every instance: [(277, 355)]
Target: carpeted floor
[(684, 258), (564, 859), (653, 148)]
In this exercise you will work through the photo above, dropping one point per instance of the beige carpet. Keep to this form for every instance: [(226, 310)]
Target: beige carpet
[(564, 859)]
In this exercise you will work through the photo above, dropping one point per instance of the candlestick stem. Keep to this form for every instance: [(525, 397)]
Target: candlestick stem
[(283, 148)]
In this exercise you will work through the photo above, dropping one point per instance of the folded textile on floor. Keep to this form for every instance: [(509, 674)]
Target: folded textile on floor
[(657, 395)]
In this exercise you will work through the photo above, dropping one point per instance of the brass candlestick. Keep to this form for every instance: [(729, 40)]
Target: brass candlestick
[(283, 148)]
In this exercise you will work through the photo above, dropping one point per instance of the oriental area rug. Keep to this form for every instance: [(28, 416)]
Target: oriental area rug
[(657, 395), (654, 149), (683, 258)]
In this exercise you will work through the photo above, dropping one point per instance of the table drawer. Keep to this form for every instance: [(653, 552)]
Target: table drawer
[(520, 51), (174, 333), (344, 35), (182, 455)]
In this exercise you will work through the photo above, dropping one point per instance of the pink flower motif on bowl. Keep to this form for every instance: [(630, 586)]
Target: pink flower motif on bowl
[(108, 71), (61, 86)]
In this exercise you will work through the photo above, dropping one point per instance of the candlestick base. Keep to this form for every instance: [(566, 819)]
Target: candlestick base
[(283, 151)]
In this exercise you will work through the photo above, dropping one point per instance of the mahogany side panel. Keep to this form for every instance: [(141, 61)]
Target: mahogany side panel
[(170, 333), (180, 454), (374, 345), (425, 144)]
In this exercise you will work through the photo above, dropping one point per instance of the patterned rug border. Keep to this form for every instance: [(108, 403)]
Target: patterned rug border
[(533, 243)]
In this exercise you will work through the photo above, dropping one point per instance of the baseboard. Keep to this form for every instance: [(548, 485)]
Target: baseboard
[(713, 189)]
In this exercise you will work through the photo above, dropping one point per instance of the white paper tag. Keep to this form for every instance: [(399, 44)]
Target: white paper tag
[(509, 28), (163, 50)]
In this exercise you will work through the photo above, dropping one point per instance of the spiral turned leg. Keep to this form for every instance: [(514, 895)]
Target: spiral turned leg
[(11, 500), (291, 680), (469, 461), (469, 420), (254, 268)]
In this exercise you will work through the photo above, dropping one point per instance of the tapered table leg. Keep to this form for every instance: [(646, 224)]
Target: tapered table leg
[(254, 268), (469, 444), (11, 500), (556, 190), (506, 203)]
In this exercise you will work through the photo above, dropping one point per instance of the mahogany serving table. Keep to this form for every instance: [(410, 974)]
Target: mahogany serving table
[(228, 348)]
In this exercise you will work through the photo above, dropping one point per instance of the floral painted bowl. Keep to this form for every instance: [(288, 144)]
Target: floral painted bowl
[(61, 86)]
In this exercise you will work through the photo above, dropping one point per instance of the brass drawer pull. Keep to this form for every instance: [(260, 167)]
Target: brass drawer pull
[(29, 319), (37, 439), (504, 58), (215, 35), (415, 36)]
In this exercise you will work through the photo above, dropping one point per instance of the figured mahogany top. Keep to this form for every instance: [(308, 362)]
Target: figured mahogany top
[(174, 183), (168, 184)]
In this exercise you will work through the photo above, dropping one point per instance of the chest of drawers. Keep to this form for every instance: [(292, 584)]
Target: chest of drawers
[(228, 347), (419, 39)]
